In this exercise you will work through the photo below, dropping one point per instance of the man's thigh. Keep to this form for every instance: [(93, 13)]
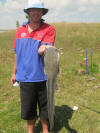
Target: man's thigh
[(42, 100), (28, 97)]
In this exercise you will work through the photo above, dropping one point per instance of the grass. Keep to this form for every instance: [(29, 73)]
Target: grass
[(74, 89)]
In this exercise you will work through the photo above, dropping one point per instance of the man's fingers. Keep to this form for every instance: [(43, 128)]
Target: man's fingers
[(12, 81)]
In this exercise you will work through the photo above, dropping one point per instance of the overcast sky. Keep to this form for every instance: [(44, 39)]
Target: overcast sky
[(59, 10)]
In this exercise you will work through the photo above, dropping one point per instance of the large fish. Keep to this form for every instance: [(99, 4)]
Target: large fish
[(51, 62)]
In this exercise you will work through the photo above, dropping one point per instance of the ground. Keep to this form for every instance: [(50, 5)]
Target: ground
[(74, 89)]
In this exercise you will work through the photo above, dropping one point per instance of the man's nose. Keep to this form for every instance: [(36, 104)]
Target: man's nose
[(35, 11)]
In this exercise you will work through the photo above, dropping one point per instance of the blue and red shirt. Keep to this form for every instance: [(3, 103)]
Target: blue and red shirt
[(30, 65)]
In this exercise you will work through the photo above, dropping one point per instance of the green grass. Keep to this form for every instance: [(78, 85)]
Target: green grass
[(75, 89)]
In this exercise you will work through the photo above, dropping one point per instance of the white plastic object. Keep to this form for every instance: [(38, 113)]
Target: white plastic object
[(16, 84), (75, 108)]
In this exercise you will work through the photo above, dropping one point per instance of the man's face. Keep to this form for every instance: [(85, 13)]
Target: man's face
[(35, 14)]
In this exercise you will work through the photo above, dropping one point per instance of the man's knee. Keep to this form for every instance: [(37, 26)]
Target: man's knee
[(31, 122)]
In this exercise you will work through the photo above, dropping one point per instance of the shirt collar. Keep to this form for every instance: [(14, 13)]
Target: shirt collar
[(25, 23)]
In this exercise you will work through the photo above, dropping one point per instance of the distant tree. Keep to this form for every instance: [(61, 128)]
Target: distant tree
[(17, 24), (27, 17)]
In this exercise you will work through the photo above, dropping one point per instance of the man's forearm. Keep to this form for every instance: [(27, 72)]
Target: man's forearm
[(14, 68), (14, 71)]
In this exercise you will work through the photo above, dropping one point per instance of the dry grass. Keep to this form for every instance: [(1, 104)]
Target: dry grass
[(75, 89)]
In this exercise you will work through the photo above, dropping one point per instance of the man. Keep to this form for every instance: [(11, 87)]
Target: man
[(31, 42)]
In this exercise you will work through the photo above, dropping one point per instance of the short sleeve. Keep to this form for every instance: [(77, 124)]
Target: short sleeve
[(49, 37)]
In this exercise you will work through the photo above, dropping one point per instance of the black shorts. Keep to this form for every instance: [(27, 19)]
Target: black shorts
[(33, 94)]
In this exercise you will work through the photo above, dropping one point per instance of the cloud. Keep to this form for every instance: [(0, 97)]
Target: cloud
[(56, 4), (11, 11), (74, 10), (64, 10)]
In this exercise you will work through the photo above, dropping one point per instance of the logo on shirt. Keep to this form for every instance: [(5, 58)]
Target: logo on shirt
[(39, 34), (23, 34)]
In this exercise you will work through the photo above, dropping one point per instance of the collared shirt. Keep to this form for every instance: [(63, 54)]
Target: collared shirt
[(30, 65)]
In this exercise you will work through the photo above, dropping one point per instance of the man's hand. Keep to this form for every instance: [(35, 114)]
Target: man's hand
[(13, 79), (43, 49)]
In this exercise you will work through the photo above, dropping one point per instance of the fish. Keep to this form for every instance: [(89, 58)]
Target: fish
[(51, 66)]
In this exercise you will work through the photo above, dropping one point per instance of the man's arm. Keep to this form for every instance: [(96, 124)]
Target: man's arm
[(14, 71), (47, 41)]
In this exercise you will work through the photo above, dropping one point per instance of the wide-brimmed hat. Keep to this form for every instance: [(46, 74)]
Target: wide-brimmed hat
[(36, 4)]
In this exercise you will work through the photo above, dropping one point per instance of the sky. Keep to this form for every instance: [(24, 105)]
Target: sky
[(59, 11)]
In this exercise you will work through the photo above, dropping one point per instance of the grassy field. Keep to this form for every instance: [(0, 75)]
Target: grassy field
[(74, 89)]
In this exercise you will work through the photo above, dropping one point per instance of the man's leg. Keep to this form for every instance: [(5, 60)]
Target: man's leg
[(44, 126), (28, 104), (31, 125), (42, 103)]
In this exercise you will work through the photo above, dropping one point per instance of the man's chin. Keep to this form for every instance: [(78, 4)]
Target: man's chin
[(36, 20)]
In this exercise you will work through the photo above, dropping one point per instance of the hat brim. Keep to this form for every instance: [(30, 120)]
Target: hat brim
[(45, 10)]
